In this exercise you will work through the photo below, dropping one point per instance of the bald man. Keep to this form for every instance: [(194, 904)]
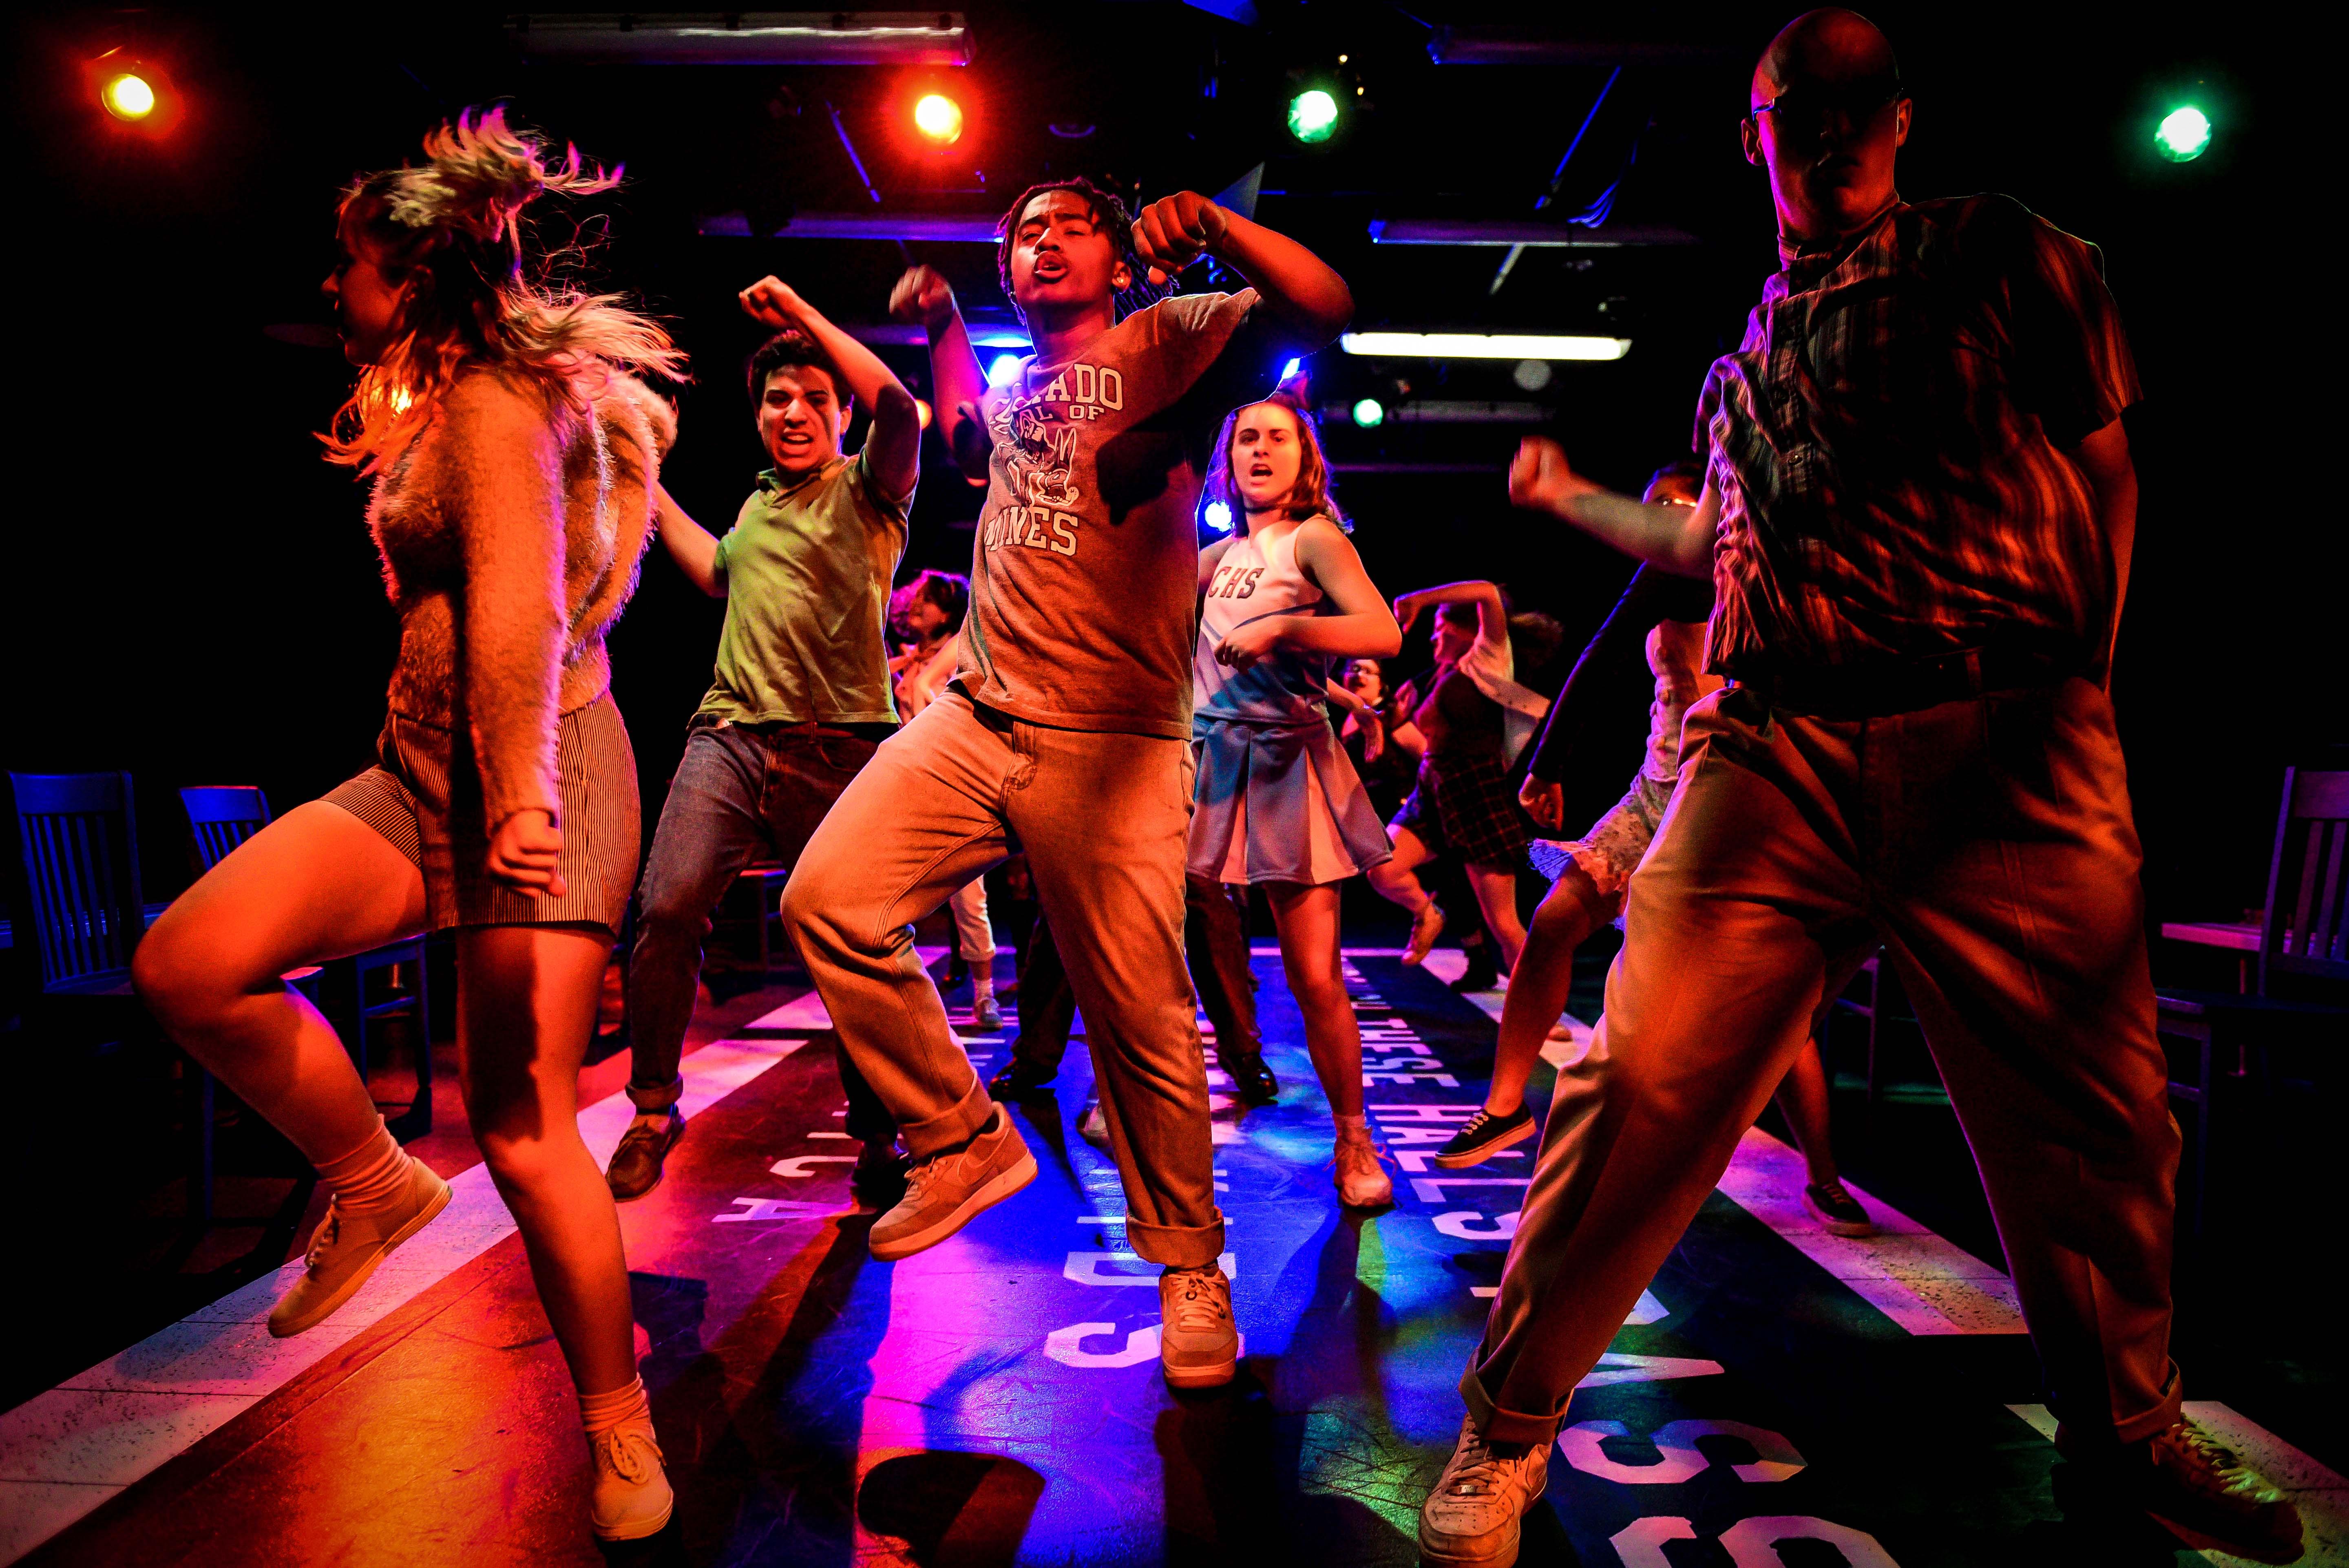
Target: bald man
[(1923, 504)]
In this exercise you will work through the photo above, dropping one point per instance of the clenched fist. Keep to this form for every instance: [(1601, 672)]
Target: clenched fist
[(923, 296), (772, 302), (1541, 478), (1175, 231)]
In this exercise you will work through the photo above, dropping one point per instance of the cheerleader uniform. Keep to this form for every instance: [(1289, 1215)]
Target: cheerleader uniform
[(1275, 798)]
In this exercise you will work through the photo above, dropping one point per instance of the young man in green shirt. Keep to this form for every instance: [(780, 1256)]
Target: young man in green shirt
[(800, 695), (1068, 720)]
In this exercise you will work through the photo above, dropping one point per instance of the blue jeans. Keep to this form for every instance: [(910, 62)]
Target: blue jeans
[(740, 792)]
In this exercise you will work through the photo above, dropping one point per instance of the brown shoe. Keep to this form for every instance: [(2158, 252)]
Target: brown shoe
[(637, 1164), (346, 1249), (1362, 1182), (947, 1192), (2195, 1484)]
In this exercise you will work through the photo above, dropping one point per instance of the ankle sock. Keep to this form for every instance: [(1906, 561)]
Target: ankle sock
[(626, 1406), (371, 1178), (1355, 1126), (982, 984)]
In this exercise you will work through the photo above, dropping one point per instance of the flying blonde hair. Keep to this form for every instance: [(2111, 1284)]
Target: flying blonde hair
[(453, 226)]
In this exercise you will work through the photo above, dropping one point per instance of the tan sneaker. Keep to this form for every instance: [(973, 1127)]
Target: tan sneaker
[(1198, 1345), (632, 1498), (945, 1193), (2194, 1484), (1362, 1182), (345, 1250), (1471, 1518)]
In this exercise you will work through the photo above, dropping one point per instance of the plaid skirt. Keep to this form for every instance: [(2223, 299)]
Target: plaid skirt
[(1463, 806)]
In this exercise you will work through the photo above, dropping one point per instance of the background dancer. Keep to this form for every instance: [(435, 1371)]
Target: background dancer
[(799, 700), (1067, 721), (504, 804), (1665, 616), (1917, 598), (1278, 804), (1468, 727), (928, 611)]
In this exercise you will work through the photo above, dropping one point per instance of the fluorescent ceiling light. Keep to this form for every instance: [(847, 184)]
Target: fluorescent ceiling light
[(930, 227), (1517, 232), (1481, 346), (746, 37)]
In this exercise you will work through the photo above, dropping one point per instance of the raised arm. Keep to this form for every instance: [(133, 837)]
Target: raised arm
[(1675, 539), (2104, 457), (507, 495), (1492, 611), (693, 547), (957, 387), (1304, 297), (1362, 628), (893, 448)]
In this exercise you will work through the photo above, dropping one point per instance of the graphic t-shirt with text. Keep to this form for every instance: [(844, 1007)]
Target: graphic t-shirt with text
[(1084, 575)]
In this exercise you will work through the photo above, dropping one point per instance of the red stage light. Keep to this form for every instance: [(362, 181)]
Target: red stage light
[(939, 118)]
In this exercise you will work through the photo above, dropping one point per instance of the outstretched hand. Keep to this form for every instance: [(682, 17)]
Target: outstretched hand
[(1407, 607), (923, 297), (524, 851), (1540, 477), (772, 302), (1175, 231)]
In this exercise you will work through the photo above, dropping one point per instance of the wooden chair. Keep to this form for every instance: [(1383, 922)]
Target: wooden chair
[(222, 816), (2303, 935), (766, 885)]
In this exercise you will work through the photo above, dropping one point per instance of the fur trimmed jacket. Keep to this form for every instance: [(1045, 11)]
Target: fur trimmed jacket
[(511, 530)]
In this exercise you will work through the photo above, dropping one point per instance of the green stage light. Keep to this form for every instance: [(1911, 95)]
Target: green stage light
[(2184, 134), (1312, 116), (1369, 412)]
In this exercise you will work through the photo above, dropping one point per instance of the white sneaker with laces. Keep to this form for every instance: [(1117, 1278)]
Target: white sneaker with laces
[(632, 1498), (1472, 1518)]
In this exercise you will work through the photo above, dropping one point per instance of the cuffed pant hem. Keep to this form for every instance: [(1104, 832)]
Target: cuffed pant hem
[(957, 1125), (2076, 1442), (1501, 1426), (660, 1097), (1177, 1246)]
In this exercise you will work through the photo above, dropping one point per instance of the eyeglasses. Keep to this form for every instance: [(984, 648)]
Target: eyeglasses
[(1804, 111)]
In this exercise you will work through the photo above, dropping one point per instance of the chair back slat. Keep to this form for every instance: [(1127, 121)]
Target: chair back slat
[(2305, 929), (222, 816), (79, 836)]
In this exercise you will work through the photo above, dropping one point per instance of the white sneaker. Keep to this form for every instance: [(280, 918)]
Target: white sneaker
[(1471, 1518), (1198, 1345), (632, 1498)]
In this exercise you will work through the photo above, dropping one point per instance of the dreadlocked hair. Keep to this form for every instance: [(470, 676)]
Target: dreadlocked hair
[(1110, 215), (452, 229)]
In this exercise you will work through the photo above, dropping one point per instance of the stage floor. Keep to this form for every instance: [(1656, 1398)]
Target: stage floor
[(1779, 1397)]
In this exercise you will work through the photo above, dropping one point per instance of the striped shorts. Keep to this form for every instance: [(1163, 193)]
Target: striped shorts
[(424, 796)]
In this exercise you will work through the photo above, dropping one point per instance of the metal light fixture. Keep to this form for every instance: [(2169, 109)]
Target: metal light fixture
[(1482, 346)]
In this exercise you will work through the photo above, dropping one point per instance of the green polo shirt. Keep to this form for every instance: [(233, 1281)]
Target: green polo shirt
[(807, 568)]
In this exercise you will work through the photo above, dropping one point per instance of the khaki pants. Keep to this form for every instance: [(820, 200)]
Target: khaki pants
[(1104, 819), (1988, 844)]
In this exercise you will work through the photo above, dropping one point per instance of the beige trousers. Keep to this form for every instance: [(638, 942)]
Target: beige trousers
[(1988, 844), (1104, 819)]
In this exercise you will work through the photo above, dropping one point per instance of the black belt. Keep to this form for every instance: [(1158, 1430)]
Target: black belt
[(1882, 688)]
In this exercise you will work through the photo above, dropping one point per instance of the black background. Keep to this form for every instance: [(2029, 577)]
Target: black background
[(189, 592)]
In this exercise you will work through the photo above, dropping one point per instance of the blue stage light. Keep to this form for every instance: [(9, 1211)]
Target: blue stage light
[(1217, 516), (1004, 370)]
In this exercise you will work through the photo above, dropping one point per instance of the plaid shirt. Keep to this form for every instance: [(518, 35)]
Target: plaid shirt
[(1888, 447)]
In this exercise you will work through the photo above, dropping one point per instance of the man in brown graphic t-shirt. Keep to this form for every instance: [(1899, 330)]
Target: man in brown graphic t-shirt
[(1068, 722)]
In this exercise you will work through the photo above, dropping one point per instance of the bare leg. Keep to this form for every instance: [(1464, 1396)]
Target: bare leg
[(1308, 920), (1803, 1100), (1397, 882), (314, 885), (1496, 897), (1540, 982), (525, 1010)]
